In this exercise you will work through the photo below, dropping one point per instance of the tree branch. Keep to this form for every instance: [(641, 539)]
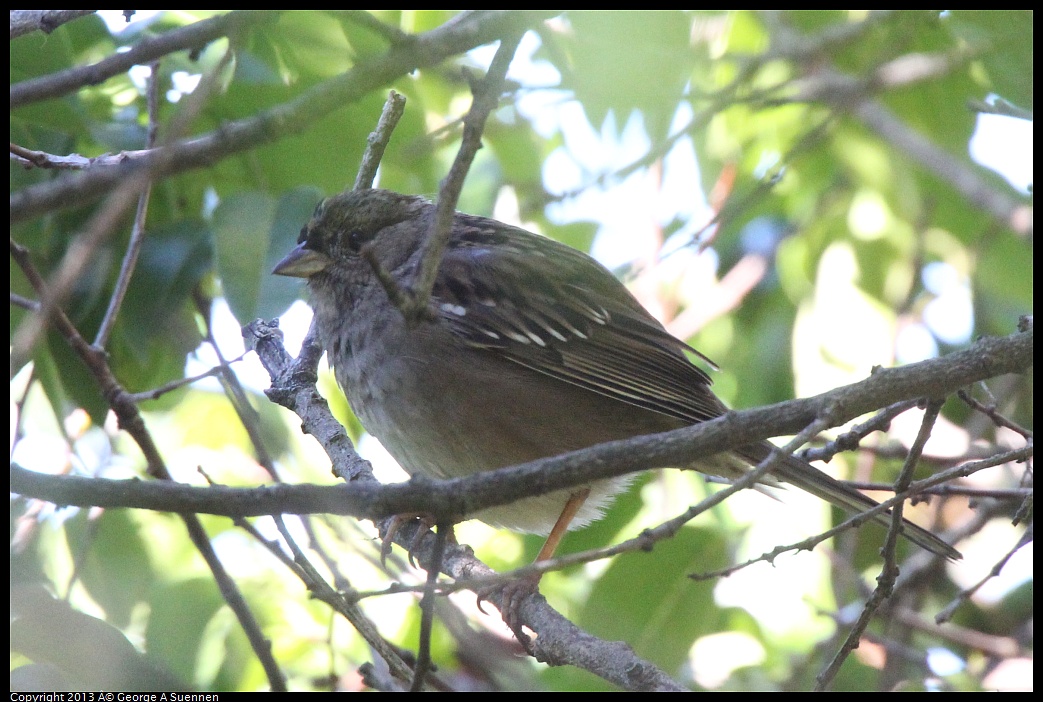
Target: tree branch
[(454, 499), (195, 36), (428, 49), (25, 21)]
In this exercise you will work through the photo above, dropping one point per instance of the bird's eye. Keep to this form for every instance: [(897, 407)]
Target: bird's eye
[(356, 239)]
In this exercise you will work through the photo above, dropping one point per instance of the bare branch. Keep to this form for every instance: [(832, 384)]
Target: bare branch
[(25, 21), (455, 498), (486, 98), (394, 107)]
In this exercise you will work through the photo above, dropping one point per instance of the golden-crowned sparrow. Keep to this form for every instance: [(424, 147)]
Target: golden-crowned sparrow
[(531, 349)]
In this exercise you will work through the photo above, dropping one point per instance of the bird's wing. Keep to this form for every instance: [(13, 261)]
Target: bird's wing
[(569, 319)]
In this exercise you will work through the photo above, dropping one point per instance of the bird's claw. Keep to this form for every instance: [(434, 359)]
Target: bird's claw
[(427, 522), (512, 595)]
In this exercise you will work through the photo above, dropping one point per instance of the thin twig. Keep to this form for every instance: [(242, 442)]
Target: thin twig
[(990, 412), (394, 108), (321, 590), (889, 567), (137, 232), (486, 98), (41, 159), (852, 438), (156, 393), (965, 595), (427, 608)]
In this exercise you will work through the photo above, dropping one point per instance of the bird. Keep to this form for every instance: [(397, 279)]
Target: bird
[(529, 348)]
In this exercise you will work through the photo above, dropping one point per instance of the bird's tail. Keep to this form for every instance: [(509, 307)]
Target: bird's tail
[(797, 472)]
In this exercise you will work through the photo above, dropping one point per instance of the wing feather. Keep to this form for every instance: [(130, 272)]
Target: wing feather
[(493, 292)]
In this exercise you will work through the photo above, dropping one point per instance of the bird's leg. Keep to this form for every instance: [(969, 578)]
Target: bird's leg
[(513, 593), (557, 533)]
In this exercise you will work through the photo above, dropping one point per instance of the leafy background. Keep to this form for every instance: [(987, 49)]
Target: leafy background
[(799, 253)]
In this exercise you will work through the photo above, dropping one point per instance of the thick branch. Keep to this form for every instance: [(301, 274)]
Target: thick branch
[(26, 21), (454, 499)]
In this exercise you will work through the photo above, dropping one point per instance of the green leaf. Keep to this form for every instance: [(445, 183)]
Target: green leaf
[(242, 230), (647, 599), (1007, 38), (113, 561), (178, 618), (292, 212), (626, 61)]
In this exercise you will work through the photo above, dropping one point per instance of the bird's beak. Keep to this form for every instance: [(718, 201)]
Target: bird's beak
[(302, 263)]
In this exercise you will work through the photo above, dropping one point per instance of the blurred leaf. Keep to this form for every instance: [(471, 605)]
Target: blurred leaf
[(242, 227), (70, 380), (292, 213), (157, 326), (114, 562), (80, 650), (1007, 38), (179, 615), (649, 75), (647, 599)]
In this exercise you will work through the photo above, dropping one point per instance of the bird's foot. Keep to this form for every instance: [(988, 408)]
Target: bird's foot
[(512, 595), (427, 522)]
